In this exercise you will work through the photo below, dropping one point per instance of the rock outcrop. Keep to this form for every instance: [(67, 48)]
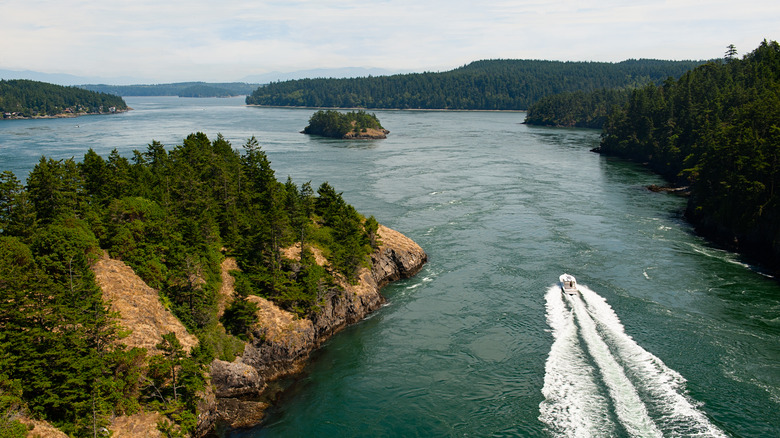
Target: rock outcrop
[(239, 391), (282, 342), (368, 134)]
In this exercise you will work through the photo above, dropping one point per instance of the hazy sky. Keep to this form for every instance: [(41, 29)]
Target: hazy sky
[(226, 40)]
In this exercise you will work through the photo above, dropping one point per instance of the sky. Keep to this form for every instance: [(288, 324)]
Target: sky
[(152, 41)]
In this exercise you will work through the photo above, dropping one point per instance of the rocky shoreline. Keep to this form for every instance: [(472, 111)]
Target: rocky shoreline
[(282, 342)]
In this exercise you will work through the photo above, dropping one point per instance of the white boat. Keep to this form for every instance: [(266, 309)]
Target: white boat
[(568, 284)]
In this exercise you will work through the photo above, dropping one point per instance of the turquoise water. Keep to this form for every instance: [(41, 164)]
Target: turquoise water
[(670, 337)]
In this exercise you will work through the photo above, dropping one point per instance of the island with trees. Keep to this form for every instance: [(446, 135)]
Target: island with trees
[(24, 99), (715, 130), (131, 285), (352, 125), (501, 84)]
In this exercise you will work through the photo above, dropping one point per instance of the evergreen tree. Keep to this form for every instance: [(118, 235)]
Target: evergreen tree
[(716, 129)]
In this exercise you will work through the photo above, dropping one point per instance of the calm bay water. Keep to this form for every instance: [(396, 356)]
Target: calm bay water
[(670, 337)]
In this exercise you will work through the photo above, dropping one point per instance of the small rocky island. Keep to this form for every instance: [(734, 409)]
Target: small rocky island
[(352, 125)]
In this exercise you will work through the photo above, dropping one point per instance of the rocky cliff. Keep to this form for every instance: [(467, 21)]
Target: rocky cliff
[(282, 342)]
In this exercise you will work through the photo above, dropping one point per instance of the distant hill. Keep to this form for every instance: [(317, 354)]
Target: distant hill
[(481, 85), (182, 89), (22, 98), (344, 72)]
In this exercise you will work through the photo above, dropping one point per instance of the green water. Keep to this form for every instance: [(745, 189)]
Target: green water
[(670, 336)]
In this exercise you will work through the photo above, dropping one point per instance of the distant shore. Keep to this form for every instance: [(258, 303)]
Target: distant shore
[(388, 109), (14, 116)]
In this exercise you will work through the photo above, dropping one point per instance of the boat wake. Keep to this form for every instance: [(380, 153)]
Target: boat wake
[(599, 382)]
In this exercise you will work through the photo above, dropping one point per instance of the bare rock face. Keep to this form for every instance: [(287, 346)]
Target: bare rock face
[(236, 413), (232, 379), (399, 257), (282, 342)]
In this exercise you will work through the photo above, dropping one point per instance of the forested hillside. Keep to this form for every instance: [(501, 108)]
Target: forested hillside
[(481, 85), (717, 128), (171, 215), (578, 109), (24, 98), (181, 89)]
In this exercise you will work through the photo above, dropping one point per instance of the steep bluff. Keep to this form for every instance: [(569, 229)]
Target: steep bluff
[(282, 342)]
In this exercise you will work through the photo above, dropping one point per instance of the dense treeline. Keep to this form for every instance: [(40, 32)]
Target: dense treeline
[(169, 214), (576, 109), (181, 89), (481, 85), (718, 129), (25, 98), (329, 123), (203, 90)]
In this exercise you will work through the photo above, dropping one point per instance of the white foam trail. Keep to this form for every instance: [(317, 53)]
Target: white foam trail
[(665, 388), (573, 405), (630, 409)]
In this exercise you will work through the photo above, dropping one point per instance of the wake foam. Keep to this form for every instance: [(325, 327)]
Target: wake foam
[(573, 403), (598, 380)]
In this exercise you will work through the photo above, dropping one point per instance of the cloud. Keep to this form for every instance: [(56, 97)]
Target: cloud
[(200, 40)]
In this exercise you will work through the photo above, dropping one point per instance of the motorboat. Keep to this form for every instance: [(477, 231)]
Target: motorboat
[(568, 284)]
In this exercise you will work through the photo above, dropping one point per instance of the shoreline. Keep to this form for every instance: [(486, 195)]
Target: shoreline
[(385, 109), (282, 343), (64, 115)]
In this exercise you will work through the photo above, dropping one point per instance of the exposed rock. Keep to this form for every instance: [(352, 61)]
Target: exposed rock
[(368, 134), (208, 414), (684, 191), (231, 379), (282, 341), (236, 413), (399, 257), (139, 307)]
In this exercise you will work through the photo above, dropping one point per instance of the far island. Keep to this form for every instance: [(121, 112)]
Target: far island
[(352, 125)]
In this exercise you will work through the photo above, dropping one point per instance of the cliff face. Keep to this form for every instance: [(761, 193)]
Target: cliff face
[(282, 342)]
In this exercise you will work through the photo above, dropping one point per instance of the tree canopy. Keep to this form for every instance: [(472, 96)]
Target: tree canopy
[(481, 85), (717, 128), (330, 123), (25, 98), (577, 108), (169, 214)]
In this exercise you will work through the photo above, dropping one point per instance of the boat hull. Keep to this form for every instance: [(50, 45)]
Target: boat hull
[(568, 284)]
